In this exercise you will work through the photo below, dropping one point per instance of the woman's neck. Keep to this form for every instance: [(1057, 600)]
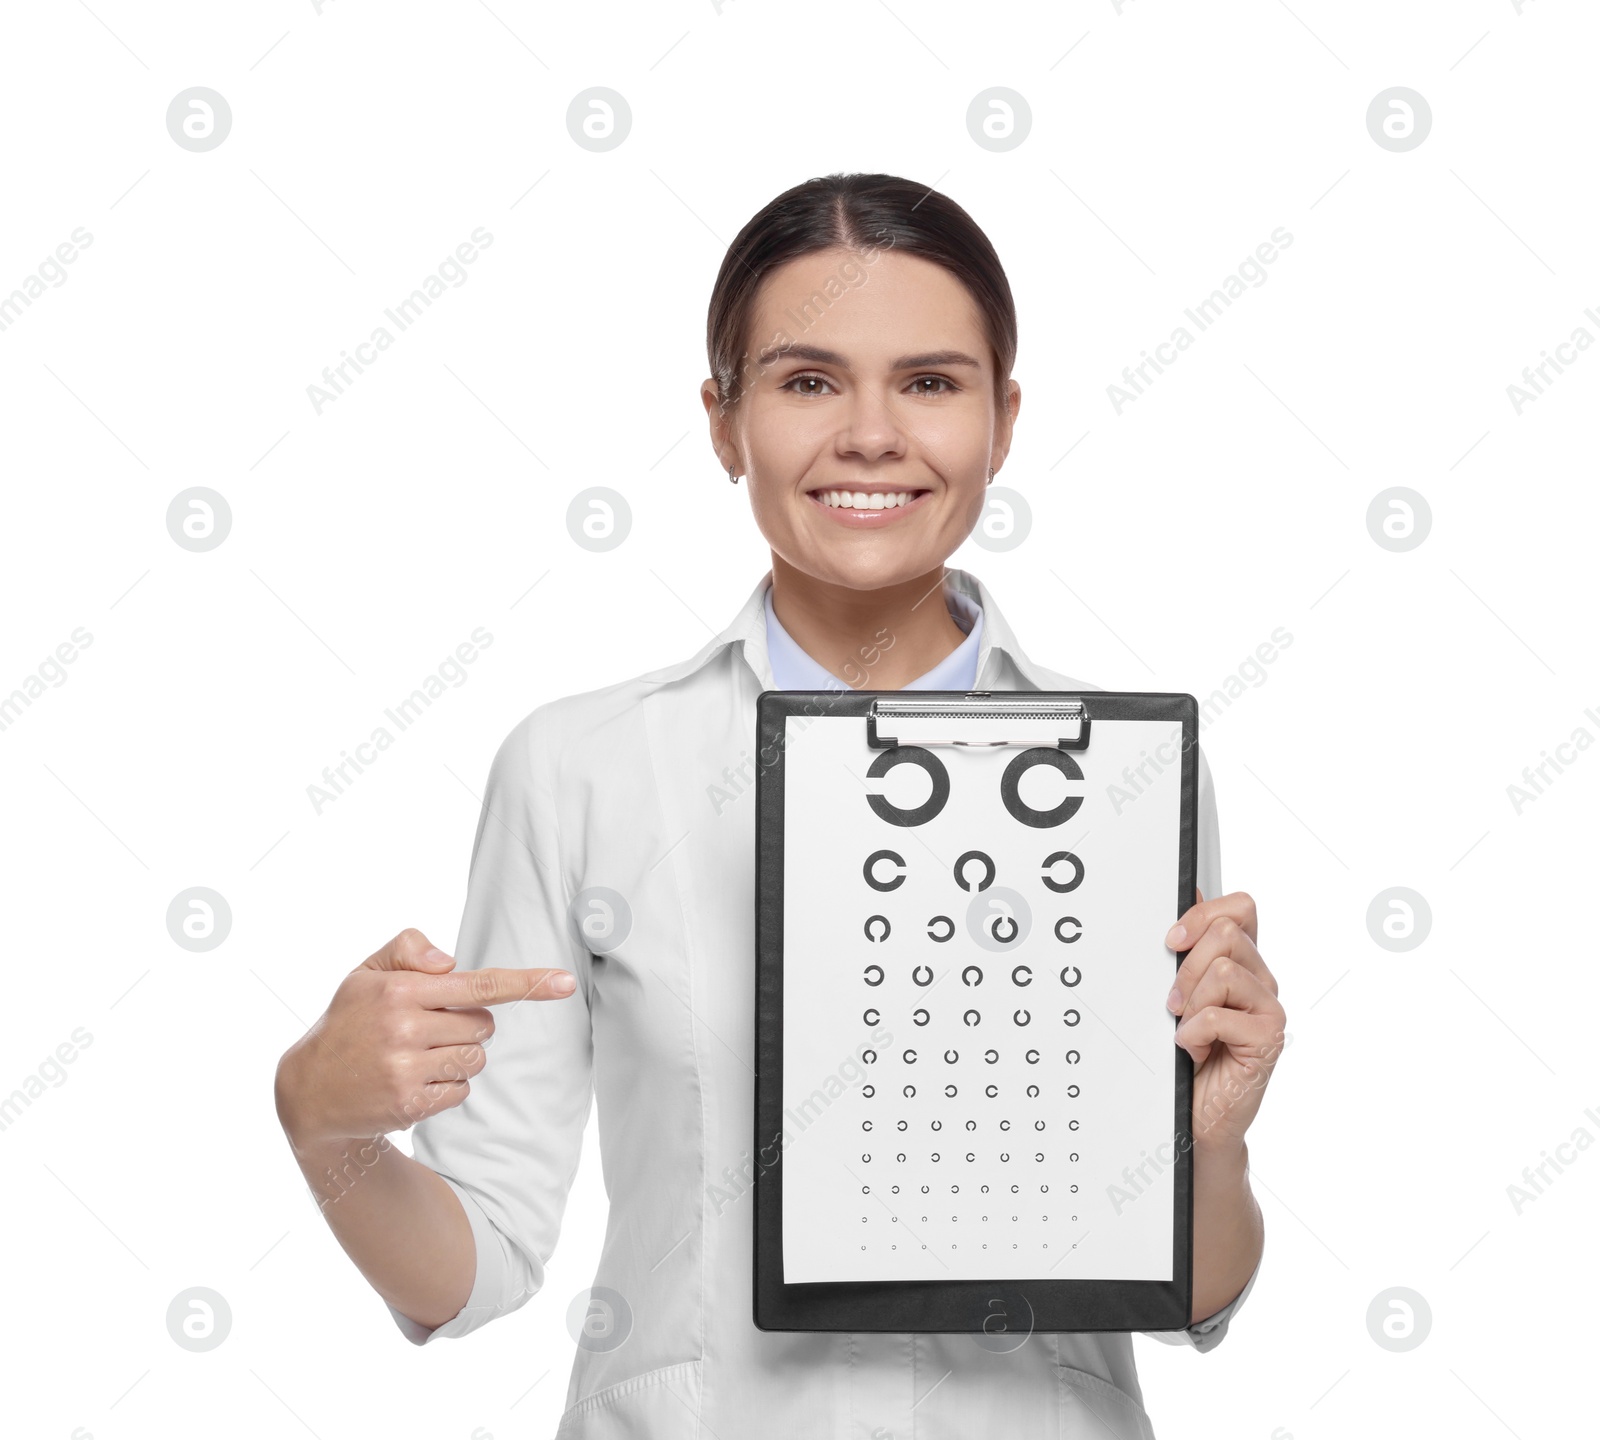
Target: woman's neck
[(878, 639)]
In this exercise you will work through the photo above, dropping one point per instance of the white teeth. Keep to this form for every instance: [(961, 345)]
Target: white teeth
[(861, 500)]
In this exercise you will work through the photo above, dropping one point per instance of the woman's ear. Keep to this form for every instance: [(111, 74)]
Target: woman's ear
[(721, 429), (1004, 423)]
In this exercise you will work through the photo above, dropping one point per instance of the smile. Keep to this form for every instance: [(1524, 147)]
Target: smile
[(863, 507)]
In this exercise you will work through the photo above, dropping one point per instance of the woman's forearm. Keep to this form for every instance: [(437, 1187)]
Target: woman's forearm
[(1228, 1228), (394, 1217)]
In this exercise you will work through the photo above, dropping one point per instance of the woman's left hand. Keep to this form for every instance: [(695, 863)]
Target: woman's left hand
[(1230, 1020)]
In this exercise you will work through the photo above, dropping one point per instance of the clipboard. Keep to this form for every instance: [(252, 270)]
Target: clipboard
[(969, 1111)]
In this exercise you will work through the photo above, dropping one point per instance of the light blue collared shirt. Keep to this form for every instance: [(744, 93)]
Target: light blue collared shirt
[(794, 669)]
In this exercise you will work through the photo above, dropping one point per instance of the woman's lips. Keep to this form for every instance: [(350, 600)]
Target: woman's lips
[(866, 519)]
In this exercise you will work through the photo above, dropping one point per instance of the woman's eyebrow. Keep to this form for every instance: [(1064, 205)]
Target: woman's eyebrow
[(818, 356)]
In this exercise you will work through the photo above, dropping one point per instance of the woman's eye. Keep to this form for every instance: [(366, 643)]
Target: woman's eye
[(799, 384), (917, 384)]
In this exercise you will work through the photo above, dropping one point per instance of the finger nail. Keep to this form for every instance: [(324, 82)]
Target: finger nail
[(1176, 937), (1175, 999), (433, 955), (563, 984)]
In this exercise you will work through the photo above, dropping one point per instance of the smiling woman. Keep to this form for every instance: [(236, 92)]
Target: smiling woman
[(868, 445), (861, 336)]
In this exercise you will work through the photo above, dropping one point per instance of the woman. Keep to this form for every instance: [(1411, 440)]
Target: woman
[(861, 337)]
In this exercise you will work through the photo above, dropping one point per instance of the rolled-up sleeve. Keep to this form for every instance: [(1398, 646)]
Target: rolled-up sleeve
[(510, 1150), (1207, 1334)]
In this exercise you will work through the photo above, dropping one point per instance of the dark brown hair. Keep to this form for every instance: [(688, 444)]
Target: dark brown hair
[(865, 214)]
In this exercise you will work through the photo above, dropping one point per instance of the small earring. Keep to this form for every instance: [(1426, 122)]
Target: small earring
[(991, 474), (732, 478)]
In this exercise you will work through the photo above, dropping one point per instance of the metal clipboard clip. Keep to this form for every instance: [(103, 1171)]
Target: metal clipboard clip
[(976, 720)]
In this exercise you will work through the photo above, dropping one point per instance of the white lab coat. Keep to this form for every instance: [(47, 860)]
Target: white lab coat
[(647, 787)]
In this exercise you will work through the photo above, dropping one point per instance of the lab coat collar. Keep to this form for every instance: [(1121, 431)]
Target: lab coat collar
[(748, 631)]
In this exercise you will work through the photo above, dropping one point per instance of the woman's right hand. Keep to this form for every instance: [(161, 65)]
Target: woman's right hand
[(400, 1039)]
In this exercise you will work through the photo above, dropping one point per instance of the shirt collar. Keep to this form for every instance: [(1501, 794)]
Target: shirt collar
[(793, 669), (747, 633)]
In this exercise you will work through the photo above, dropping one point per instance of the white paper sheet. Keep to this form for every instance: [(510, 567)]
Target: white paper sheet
[(1099, 1202)]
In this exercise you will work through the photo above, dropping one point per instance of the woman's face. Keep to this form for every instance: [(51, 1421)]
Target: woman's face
[(866, 379)]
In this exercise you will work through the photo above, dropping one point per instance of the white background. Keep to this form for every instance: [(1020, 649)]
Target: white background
[(1168, 541)]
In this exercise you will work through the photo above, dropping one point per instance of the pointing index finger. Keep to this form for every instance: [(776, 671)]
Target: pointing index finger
[(494, 985)]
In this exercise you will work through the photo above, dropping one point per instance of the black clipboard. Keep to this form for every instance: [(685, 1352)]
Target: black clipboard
[(892, 724)]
